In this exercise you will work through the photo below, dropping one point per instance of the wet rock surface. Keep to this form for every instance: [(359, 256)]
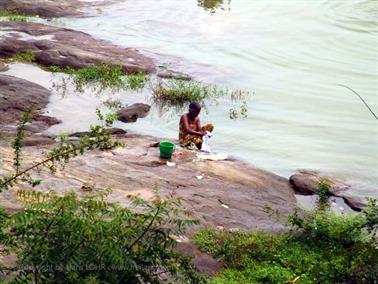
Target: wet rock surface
[(133, 112), (169, 74), (46, 8), (112, 131), (357, 203), (17, 96), (231, 194), (306, 183), (65, 47)]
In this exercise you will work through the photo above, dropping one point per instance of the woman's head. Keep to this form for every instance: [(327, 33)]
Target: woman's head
[(194, 109)]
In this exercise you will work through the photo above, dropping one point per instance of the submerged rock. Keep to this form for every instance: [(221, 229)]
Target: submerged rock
[(65, 47), (133, 112), (169, 74)]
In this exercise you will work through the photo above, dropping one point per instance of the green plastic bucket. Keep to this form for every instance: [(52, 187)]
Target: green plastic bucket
[(166, 149)]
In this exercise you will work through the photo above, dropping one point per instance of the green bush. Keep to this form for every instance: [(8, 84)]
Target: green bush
[(322, 247), (66, 239)]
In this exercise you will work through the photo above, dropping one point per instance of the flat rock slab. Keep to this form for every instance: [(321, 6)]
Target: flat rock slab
[(47, 8), (18, 95), (230, 194), (66, 47)]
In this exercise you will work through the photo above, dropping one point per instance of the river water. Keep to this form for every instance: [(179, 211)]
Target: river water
[(291, 54)]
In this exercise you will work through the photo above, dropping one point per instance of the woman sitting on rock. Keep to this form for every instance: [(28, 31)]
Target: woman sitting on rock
[(191, 132)]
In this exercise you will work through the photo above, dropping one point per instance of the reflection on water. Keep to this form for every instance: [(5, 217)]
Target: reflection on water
[(213, 5)]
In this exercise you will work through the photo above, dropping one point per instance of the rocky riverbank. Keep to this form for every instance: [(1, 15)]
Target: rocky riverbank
[(67, 48), (225, 193), (48, 8), (235, 192)]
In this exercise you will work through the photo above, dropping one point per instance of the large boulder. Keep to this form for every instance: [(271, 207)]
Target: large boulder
[(66, 47), (133, 112), (17, 96), (306, 183)]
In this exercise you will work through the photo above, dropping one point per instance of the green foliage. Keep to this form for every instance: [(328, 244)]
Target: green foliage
[(103, 76), (179, 92), (13, 16), (27, 56), (323, 194), (371, 216), (113, 104), (176, 92), (66, 239), (321, 248), (137, 81), (18, 142), (213, 5)]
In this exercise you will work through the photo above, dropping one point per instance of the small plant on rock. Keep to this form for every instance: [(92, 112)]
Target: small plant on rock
[(323, 193), (27, 56), (13, 16)]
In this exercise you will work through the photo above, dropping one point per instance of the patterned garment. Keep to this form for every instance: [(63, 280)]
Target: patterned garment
[(187, 139)]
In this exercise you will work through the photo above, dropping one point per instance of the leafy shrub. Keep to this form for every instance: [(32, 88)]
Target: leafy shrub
[(322, 247), (323, 193), (103, 76), (180, 91), (65, 239)]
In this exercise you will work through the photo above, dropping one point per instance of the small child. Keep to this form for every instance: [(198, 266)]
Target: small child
[(191, 131)]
